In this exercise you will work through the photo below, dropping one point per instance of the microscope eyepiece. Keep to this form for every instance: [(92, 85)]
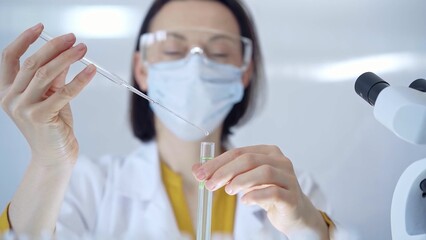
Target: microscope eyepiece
[(368, 86), (419, 84), (423, 187)]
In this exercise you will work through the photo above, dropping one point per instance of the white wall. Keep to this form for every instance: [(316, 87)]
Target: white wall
[(323, 126)]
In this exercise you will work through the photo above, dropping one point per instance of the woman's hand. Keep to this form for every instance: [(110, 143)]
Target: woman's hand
[(36, 98), (264, 176)]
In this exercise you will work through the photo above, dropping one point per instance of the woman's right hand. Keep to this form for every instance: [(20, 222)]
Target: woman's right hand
[(36, 97)]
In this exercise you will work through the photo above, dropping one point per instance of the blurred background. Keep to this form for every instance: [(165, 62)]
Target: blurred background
[(313, 50)]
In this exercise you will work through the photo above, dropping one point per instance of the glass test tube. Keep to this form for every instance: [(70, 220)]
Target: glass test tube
[(204, 197)]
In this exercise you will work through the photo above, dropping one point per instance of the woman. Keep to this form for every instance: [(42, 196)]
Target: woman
[(201, 59)]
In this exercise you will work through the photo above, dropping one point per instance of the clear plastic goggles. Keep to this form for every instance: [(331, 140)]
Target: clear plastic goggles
[(166, 46)]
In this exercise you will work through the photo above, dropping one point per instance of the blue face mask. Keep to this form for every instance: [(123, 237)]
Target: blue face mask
[(199, 90)]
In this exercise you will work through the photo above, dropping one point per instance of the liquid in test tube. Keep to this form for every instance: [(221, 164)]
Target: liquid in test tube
[(204, 197)]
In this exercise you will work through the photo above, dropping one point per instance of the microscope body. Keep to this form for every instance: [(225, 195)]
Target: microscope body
[(408, 210), (403, 111)]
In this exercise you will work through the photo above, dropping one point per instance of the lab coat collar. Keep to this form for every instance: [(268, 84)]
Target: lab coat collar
[(140, 177)]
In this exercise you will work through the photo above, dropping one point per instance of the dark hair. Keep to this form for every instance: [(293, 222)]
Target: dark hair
[(142, 117)]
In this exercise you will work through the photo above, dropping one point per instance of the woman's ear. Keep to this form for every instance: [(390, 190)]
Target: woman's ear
[(139, 72), (247, 74)]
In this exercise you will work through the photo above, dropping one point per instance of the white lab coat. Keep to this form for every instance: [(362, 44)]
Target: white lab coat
[(124, 198)]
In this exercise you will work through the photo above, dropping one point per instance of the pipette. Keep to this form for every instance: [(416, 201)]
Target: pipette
[(117, 80)]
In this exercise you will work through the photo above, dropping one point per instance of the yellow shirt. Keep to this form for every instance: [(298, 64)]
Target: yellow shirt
[(223, 209), (4, 221)]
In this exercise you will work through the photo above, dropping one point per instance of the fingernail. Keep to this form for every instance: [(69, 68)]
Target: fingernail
[(80, 46), (36, 27), (210, 185), (69, 37), (228, 190), (89, 69), (200, 174)]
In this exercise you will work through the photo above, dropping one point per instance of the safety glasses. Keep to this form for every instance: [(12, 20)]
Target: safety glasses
[(166, 46)]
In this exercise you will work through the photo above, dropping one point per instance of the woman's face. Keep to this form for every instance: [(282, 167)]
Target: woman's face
[(181, 16)]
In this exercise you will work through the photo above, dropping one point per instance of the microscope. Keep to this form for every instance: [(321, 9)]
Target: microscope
[(403, 111)]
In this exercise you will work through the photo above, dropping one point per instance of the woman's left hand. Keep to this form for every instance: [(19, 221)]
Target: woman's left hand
[(264, 176)]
